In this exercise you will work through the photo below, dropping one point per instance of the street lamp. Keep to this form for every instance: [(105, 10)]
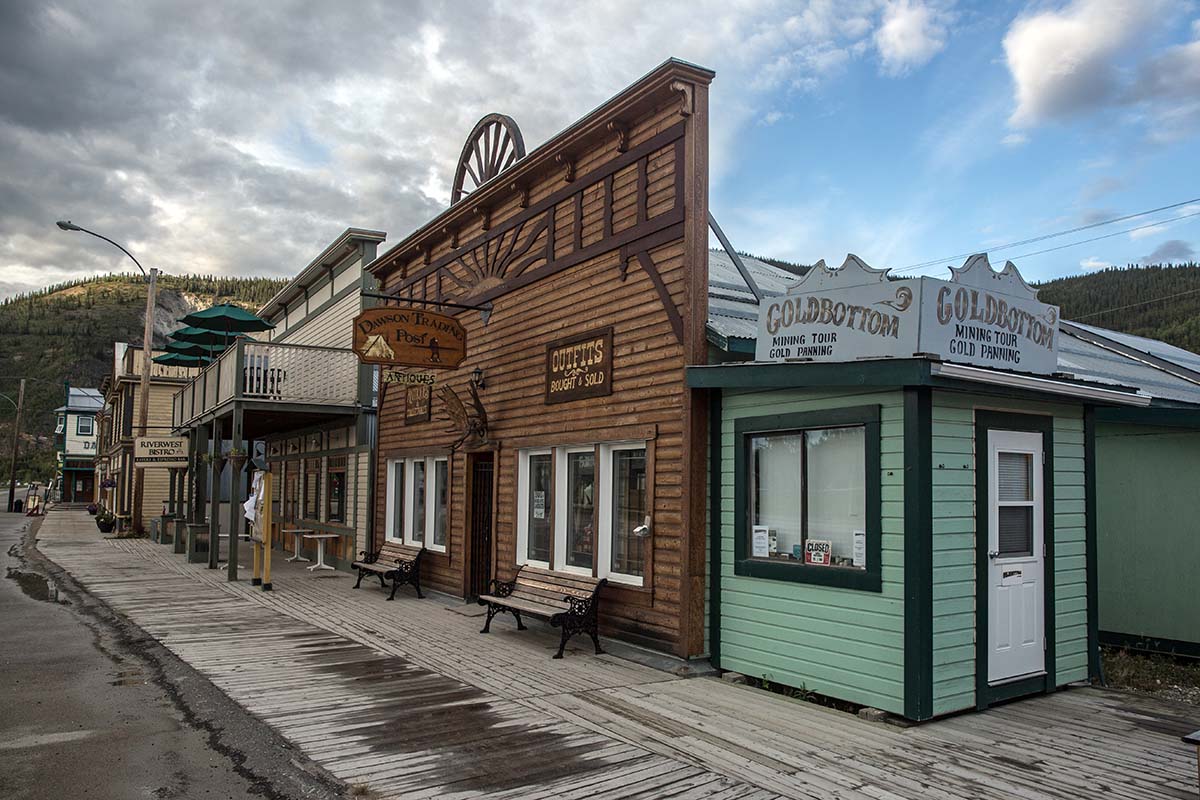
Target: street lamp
[(144, 384)]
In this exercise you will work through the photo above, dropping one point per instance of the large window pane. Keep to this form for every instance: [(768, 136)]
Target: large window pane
[(775, 496), (418, 501), (581, 494), (837, 497), (440, 484), (628, 510), (397, 526), (541, 496)]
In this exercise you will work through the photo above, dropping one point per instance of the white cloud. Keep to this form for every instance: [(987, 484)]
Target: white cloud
[(1143, 233), (1091, 263), (912, 33), (771, 117), (1095, 54), (1173, 251), (1014, 140)]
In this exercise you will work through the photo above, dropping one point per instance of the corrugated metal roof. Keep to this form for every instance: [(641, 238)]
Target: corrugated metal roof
[(733, 314), (83, 400)]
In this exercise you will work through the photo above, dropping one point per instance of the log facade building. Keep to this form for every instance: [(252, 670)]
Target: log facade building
[(589, 257)]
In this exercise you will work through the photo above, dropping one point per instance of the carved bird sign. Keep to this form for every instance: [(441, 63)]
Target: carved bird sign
[(469, 426)]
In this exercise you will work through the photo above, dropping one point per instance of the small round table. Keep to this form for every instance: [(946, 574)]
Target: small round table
[(320, 537)]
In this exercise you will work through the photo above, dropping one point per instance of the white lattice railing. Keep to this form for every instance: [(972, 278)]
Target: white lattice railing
[(282, 372)]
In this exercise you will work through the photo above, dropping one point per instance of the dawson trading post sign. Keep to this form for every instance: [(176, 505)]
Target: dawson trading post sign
[(979, 317), (409, 337), (160, 451)]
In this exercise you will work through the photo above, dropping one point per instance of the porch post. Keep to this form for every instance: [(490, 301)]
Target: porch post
[(214, 512), (199, 474), (235, 488), (170, 494)]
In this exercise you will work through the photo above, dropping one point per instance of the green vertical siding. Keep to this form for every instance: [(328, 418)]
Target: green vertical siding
[(954, 544), (839, 642), (1148, 508)]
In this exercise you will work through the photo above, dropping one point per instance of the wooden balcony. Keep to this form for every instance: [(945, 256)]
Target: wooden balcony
[(264, 374)]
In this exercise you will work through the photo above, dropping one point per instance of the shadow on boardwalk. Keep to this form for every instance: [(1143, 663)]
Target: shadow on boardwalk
[(409, 699)]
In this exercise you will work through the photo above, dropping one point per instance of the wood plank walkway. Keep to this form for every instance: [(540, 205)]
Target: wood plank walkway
[(409, 699)]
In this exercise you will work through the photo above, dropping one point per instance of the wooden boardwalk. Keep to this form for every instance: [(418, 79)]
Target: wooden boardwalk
[(408, 698)]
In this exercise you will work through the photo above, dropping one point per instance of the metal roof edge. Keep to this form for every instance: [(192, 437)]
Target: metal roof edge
[(1161, 364)]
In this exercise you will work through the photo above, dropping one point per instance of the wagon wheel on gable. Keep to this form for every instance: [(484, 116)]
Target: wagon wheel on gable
[(495, 144)]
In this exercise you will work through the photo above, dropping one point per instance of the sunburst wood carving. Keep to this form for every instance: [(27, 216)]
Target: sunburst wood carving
[(495, 144)]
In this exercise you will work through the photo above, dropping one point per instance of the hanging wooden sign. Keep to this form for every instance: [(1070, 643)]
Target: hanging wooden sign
[(418, 401), (408, 378), (579, 366), (409, 337)]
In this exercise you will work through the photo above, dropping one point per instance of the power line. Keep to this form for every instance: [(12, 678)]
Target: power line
[(1054, 235), (1135, 305), (1109, 235)]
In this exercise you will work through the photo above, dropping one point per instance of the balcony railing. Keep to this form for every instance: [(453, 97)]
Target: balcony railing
[(286, 373)]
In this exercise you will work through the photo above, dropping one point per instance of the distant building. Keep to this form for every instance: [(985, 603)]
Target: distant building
[(77, 450), (118, 429)]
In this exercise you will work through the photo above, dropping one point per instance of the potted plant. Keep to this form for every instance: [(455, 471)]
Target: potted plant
[(237, 457), (92, 508), (105, 521), (108, 483)]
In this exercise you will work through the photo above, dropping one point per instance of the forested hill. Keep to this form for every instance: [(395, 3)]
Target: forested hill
[(66, 333), (1161, 302)]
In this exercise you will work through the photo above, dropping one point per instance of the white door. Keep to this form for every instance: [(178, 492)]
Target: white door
[(1016, 558)]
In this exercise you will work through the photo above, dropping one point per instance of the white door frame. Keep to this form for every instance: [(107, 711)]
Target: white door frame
[(1017, 613)]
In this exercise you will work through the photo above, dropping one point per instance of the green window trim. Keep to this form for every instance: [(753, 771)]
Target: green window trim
[(869, 579)]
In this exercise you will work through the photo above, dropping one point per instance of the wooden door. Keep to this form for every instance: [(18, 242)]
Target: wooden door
[(482, 471)]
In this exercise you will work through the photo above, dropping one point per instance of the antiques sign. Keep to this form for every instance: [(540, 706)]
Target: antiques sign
[(418, 401), (409, 337), (408, 378), (160, 451), (979, 317), (579, 367)]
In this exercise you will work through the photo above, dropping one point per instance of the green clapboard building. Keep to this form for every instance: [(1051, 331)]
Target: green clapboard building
[(931, 496)]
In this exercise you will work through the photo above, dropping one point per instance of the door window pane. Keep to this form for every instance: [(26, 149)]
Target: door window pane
[(418, 501), (541, 496), (440, 484), (628, 510), (835, 473), (1015, 473), (1016, 531), (337, 494), (581, 494), (775, 495)]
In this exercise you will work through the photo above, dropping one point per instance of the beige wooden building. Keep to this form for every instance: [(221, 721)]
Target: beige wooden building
[(118, 429)]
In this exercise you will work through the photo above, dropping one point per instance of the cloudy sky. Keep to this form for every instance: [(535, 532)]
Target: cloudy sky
[(241, 137)]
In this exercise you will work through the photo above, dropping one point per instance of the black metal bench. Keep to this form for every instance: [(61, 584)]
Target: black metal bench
[(568, 601), (399, 562)]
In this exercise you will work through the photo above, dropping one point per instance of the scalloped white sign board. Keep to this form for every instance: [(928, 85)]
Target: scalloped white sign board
[(980, 317)]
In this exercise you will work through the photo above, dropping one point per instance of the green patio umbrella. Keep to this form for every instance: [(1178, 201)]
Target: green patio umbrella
[(228, 319), (181, 360), (194, 335), (191, 349)]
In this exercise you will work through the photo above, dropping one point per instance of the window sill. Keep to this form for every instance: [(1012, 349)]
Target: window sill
[(625, 581), (838, 577)]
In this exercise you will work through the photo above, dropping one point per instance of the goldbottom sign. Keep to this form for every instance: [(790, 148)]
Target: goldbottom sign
[(979, 317), (160, 451)]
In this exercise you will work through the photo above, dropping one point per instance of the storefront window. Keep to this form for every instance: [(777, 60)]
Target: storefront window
[(540, 501), (395, 499), (580, 517), (585, 510), (336, 501), (417, 532), (808, 497), (628, 510), (440, 490), (312, 488)]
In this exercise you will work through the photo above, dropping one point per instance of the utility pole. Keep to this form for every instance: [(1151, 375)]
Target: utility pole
[(12, 475), (144, 396)]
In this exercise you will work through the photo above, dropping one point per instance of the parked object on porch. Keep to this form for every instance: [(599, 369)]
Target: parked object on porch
[(296, 533), (105, 521), (321, 539), (398, 562), (536, 591), (92, 508)]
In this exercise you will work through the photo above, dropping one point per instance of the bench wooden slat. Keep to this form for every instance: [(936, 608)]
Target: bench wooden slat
[(401, 561), (554, 595), (540, 609), (537, 573), (556, 589)]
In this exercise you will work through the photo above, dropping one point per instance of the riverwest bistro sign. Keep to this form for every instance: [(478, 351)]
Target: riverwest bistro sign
[(979, 317)]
